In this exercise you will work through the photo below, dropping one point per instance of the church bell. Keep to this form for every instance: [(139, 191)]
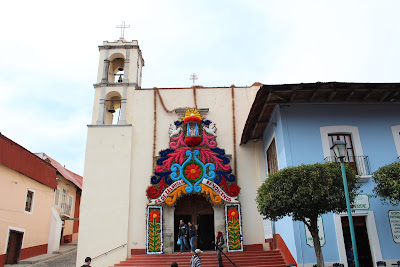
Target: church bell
[(121, 67), (111, 109)]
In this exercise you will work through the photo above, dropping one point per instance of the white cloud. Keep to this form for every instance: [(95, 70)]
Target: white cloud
[(50, 56)]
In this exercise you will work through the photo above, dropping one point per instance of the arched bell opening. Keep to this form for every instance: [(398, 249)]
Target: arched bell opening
[(112, 108), (116, 70), (199, 211)]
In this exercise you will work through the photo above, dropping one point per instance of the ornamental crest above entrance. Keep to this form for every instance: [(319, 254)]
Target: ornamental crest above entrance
[(193, 164)]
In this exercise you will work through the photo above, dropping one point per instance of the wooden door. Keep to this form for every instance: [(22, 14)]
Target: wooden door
[(14, 247), (193, 205), (362, 240), (196, 209)]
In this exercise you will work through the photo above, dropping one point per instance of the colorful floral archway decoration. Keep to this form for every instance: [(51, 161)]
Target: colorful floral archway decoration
[(193, 163)]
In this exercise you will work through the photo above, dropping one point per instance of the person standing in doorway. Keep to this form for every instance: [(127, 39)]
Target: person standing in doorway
[(350, 256), (183, 235), (192, 236), (195, 261), (219, 243)]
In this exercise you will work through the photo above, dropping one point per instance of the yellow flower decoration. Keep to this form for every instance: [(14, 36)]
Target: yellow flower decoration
[(192, 112), (174, 195), (215, 198)]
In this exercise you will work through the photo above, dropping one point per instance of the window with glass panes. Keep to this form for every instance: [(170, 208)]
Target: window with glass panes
[(350, 156), (29, 200), (272, 160)]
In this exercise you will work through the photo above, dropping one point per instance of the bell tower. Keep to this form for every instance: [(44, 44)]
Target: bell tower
[(108, 159), (120, 71)]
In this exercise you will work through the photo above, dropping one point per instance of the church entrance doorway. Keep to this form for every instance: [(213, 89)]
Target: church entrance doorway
[(196, 209)]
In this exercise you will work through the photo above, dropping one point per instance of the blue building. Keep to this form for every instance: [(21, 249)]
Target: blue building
[(297, 124)]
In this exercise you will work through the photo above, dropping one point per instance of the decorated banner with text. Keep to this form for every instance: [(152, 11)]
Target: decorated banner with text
[(233, 222), (154, 242), (193, 164)]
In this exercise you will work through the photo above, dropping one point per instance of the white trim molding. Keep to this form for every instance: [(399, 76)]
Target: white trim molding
[(396, 137), (355, 136), (57, 198), (343, 129), (373, 239)]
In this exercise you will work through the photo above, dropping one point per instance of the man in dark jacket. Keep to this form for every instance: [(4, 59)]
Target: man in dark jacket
[(88, 260), (183, 235), (192, 235)]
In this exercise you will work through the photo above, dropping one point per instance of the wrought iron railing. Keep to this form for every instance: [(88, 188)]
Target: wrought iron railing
[(359, 163), (222, 252), (105, 253)]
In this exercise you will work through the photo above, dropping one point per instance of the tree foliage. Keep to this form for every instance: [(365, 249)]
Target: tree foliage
[(387, 180), (305, 192)]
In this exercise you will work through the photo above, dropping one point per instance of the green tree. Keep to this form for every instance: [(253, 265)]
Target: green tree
[(305, 192), (387, 183)]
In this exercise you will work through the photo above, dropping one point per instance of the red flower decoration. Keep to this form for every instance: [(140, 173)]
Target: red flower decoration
[(193, 141), (154, 215), (192, 171), (233, 213)]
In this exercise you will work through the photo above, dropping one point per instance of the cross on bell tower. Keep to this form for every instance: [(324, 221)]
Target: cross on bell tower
[(193, 77), (123, 26)]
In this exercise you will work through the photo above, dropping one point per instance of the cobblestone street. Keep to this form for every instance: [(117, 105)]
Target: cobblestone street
[(66, 260)]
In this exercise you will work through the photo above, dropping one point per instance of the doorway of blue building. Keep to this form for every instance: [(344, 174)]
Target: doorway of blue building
[(362, 241)]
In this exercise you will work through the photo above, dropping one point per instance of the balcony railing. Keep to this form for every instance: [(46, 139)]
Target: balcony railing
[(359, 163), (65, 210)]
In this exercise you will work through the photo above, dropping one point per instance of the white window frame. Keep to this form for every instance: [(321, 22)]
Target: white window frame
[(396, 137), (33, 200), (343, 129), (12, 228), (70, 197), (64, 210), (373, 238), (57, 198)]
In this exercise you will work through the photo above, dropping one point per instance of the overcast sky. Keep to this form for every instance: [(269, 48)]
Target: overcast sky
[(49, 54)]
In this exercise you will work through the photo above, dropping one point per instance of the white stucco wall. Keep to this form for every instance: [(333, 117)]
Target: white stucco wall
[(105, 195)]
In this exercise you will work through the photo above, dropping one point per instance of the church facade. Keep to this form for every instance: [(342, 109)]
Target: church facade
[(159, 155)]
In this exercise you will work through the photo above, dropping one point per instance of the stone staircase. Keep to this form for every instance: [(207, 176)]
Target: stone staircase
[(272, 258)]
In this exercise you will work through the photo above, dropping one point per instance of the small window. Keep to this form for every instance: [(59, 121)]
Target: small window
[(272, 160), (57, 197), (350, 157), (63, 208), (29, 201), (70, 201)]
